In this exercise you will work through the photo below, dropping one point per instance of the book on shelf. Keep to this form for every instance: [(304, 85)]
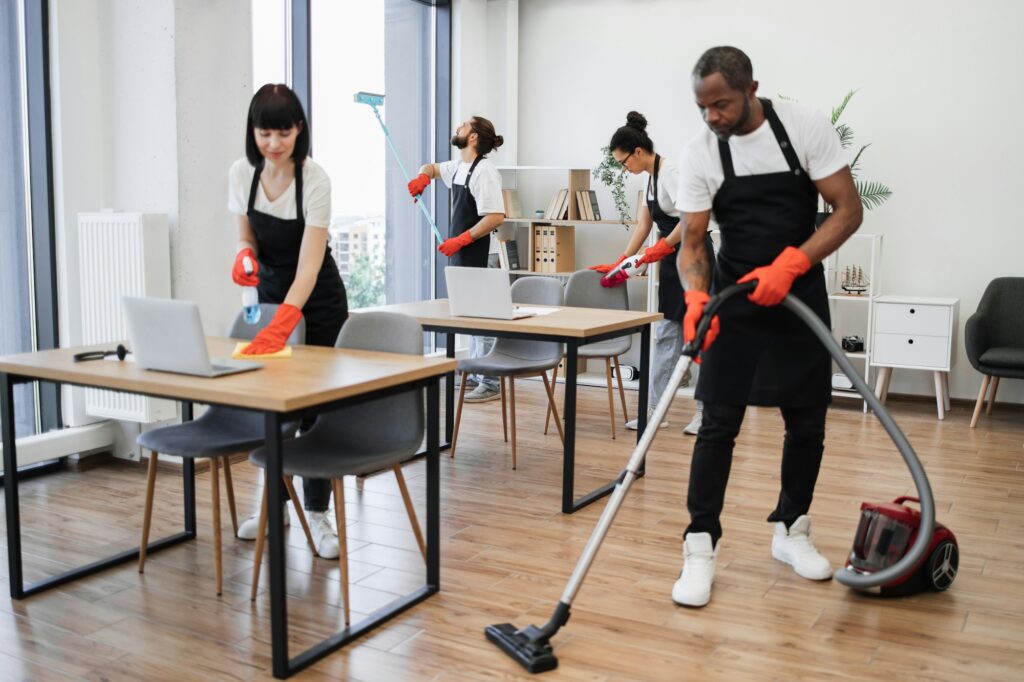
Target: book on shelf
[(594, 211), (639, 204), (513, 207), (563, 208), (503, 255), (551, 207), (512, 254), (558, 206), (583, 205)]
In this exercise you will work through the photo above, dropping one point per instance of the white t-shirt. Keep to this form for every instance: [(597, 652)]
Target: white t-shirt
[(668, 188), (316, 194), (485, 186), (810, 132)]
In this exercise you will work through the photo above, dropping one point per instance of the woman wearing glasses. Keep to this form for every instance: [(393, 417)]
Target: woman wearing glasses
[(283, 202), (633, 148)]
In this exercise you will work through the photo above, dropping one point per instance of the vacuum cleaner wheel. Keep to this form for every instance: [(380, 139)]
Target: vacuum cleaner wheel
[(942, 565)]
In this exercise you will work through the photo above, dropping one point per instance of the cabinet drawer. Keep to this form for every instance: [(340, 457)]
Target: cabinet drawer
[(911, 350), (903, 318)]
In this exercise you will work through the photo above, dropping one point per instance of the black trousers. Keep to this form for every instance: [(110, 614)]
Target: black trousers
[(712, 459)]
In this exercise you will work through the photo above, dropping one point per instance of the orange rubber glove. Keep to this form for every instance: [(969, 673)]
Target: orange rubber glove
[(607, 267), (695, 302), (272, 338), (655, 253), (450, 246), (417, 185), (238, 273), (774, 281)]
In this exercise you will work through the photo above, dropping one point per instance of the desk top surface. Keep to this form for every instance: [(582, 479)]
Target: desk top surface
[(565, 321), (311, 376)]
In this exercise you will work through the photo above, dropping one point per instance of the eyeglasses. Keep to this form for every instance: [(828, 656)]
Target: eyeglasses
[(624, 159)]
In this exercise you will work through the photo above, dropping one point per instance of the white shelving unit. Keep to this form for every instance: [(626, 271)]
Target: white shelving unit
[(853, 253)]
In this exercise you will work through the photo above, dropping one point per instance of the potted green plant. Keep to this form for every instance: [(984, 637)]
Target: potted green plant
[(612, 175)]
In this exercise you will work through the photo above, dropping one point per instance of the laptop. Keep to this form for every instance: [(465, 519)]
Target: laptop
[(482, 292), (167, 336)]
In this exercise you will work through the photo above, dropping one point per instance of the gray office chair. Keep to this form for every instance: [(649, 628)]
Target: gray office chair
[(361, 439), (994, 337), (218, 434), (511, 358), (584, 290)]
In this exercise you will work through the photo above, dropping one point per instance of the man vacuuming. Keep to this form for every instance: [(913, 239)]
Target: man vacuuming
[(759, 167), (477, 211)]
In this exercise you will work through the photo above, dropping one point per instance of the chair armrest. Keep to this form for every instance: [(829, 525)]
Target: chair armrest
[(975, 338)]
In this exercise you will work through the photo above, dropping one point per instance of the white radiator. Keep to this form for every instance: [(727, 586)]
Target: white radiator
[(121, 254)]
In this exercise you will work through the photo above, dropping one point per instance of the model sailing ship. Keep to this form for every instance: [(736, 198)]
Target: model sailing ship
[(854, 282)]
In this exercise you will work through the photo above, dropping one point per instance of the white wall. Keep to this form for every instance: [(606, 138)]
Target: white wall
[(938, 101), (149, 103)]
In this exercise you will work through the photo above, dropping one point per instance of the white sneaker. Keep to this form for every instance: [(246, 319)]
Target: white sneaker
[(794, 547), (693, 427), (631, 424), (247, 529), (694, 585), (325, 538)]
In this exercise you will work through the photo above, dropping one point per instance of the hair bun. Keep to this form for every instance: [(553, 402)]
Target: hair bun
[(498, 141), (636, 120)]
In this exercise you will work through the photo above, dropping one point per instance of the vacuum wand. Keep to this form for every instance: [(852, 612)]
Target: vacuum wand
[(374, 101), (531, 646)]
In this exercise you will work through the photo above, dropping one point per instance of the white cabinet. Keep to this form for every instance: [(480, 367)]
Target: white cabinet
[(912, 332)]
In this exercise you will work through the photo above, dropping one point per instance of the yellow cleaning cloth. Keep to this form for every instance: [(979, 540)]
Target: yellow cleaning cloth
[(285, 352)]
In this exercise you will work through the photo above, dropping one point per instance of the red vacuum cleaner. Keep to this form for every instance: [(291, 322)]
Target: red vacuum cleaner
[(897, 549)]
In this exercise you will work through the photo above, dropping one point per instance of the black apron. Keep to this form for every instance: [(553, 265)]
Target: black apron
[(670, 288), (464, 217), (766, 356), (278, 242)]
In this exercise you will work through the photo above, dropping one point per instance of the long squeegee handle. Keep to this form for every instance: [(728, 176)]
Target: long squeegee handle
[(405, 173)]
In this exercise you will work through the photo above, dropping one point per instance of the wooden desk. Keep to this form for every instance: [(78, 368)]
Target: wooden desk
[(574, 327), (313, 380)]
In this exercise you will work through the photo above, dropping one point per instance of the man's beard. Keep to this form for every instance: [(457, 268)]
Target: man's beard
[(739, 125), (460, 142)]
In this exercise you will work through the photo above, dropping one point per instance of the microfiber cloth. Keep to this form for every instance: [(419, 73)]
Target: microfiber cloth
[(285, 352)]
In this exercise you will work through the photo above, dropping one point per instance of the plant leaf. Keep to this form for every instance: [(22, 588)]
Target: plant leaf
[(856, 159), (838, 111), (872, 194), (845, 133)]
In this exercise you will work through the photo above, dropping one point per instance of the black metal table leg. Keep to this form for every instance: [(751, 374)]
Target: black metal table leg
[(188, 473), (433, 488), (449, 394), (276, 549), (645, 383), (11, 486), (569, 447)]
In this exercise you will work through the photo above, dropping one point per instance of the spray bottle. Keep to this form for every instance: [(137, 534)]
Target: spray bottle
[(250, 296)]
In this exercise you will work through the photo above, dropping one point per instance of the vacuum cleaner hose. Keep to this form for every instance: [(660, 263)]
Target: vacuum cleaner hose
[(859, 581)]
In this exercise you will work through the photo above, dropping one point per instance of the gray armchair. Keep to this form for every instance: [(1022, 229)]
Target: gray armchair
[(994, 337)]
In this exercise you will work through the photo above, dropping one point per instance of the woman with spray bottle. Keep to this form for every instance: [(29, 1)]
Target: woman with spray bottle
[(282, 199)]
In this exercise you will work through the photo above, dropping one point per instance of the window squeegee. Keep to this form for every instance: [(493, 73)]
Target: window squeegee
[(374, 101)]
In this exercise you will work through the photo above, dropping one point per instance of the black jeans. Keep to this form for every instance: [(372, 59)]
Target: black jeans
[(712, 459)]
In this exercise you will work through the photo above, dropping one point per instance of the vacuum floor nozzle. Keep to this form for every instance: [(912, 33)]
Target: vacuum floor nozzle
[(373, 99), (536, 657)]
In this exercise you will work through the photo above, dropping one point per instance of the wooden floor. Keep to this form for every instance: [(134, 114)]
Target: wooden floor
[(507, 552)]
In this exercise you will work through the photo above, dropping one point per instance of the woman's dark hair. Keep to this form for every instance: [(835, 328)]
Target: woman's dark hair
[(276, 107), (487, 138), (632, 135)]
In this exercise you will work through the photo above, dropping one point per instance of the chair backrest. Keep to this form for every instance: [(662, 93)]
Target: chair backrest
[(584, 290), (240, 329), (1002, 306), (393, 423), (534, 290)]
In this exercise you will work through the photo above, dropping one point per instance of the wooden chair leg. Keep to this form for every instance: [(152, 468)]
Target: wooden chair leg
[(339, 520), (981, 400), (554, 382), (218, 568), (504, 410), (230, 487), (611, 395), (458, 414), (512, 405), (622, 392), (992, 396), (261, 537), (552, 407), (147, 514), (410, 510), (289, 485)]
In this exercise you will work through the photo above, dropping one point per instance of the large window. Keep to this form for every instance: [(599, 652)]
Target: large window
[(379, 238), (16, 291)]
